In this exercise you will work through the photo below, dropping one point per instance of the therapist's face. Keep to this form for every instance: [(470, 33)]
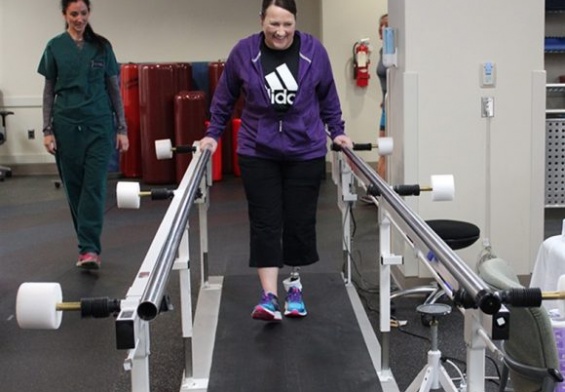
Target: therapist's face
[(76, 16), (278, 26)]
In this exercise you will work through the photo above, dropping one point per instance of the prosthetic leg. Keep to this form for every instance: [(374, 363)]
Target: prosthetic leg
[(294, 304), (293, 280)]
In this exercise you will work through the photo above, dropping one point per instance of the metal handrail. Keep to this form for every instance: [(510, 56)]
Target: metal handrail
[(473, 285), (150, 302)]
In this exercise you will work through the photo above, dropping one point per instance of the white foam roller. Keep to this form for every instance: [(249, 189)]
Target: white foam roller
[(164, 149), (443, 187), (127, 194), (385, 145), (561, 302), (36, 306)]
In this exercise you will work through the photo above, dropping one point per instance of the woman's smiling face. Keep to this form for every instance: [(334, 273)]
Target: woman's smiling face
[(278, 26)]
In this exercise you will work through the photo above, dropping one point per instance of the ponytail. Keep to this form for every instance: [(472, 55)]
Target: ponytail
[(100, 41)]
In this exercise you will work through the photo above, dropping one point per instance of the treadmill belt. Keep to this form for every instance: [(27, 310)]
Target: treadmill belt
[(323, 352)]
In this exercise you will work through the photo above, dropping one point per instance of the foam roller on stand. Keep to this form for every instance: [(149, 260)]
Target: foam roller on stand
[(128, 195), (36, 306), (443, 187)]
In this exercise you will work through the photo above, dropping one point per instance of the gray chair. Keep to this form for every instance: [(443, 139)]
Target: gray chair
[(530, 354)]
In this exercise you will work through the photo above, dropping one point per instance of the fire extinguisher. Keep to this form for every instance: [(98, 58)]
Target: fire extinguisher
[(361, 61)]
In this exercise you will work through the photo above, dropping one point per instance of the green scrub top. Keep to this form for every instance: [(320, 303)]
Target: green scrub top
[(80, 78)]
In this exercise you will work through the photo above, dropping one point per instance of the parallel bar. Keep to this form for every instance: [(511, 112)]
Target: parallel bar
[(150, 302), (483, 298)]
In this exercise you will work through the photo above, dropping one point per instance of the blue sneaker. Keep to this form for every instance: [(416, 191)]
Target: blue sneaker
[(294, 305), (268, 309)]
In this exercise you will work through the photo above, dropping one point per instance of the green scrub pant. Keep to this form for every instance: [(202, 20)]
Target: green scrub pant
[(83, 155)]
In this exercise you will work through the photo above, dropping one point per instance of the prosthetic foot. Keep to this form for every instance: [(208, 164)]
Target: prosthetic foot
[(294, 304)]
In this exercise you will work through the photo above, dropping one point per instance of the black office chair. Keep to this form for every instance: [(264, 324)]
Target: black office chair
[(4, 170), (530, 354), (457, 235)]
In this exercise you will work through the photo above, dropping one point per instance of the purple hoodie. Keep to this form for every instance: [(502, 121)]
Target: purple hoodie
[(299, 133)]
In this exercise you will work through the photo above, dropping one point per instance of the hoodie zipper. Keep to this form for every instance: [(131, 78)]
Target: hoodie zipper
[(280, 126)]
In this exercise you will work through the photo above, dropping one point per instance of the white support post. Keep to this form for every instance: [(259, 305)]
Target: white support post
[(347, 198), (200, 334), (475, 351), (385, 259), (182, 264), (346, 246), (203, 205), (343, 178), (384, 275), (138, 360)]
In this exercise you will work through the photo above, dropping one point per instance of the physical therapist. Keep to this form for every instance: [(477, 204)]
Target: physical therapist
[(81, 106)]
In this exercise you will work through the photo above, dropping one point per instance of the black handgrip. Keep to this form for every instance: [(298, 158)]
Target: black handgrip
[(362, 146), (335, 147), (407, 190), (161, 194), (99, 307), (522, 297), (185, 149)]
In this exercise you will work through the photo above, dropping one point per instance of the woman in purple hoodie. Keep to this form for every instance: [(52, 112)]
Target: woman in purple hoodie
[(291, 107)]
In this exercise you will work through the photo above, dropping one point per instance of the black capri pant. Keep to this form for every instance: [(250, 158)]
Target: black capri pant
[(282, 197)]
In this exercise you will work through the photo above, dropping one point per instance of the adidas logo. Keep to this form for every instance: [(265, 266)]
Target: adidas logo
[(281, 86)]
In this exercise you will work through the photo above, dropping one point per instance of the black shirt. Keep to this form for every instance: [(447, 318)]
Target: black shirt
[(280, 68)]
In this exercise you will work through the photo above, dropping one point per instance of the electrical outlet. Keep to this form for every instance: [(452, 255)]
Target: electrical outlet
[(487, 106), (31, 134)]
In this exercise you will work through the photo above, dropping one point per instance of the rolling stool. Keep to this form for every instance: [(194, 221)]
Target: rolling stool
[(457, 235), (433, 375), (4, 170)]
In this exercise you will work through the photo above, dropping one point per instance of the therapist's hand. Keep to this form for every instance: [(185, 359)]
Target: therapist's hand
[(50, 144), (122, 142)]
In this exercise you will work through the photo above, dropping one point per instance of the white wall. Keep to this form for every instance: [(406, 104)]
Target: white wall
[(342, 26), (166, 30), (435, 116)]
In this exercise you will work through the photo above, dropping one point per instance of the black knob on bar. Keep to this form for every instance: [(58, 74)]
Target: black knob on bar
[(407, 190), (99, 307), (161, 194), (185, 149), (522, 297), (372, 190), (362, 146)]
